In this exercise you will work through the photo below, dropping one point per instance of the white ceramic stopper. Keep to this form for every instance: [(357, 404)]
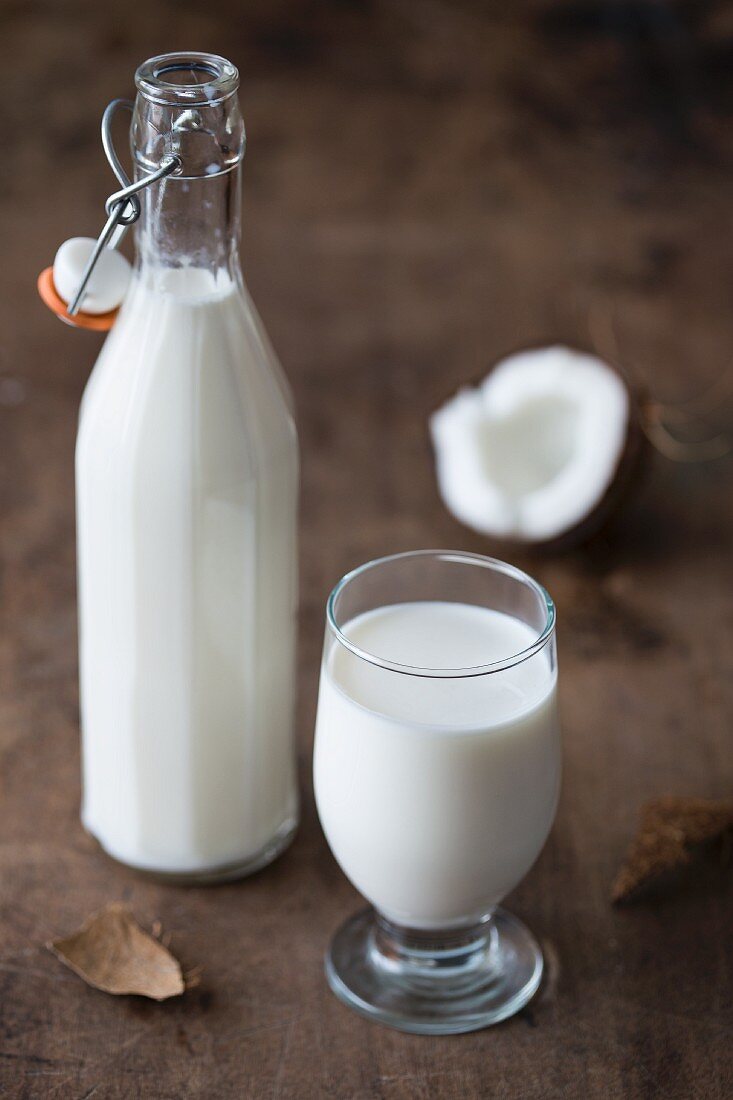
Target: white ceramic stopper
[(109, 281)]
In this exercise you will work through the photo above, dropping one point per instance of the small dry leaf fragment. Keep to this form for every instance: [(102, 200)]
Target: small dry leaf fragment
[(669, 829), (113, 953)]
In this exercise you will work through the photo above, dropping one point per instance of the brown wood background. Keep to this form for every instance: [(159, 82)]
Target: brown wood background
[(429, 184)]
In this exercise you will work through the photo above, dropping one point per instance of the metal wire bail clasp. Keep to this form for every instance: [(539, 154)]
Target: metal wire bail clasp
[(123, 206)]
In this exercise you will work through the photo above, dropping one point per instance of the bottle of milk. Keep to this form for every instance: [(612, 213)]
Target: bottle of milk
[(187, 477)]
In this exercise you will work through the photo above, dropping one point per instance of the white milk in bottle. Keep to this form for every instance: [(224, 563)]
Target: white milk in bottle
[(187, 475)]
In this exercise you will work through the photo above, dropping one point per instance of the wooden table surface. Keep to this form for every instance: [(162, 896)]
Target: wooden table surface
[(428, 185)]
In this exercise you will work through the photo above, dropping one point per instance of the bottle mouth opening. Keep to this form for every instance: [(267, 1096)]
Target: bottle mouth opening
[(193, 79)]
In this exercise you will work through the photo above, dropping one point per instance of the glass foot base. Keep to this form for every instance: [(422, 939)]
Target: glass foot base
[(431, 983), (212, 876)]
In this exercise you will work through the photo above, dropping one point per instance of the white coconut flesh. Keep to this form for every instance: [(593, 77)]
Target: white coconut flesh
[(531, 452)]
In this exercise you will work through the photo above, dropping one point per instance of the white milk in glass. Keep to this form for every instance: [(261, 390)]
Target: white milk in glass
[(187, 477), (436, 794)]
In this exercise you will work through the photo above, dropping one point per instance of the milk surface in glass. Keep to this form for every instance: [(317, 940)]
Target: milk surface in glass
[(436, 794)]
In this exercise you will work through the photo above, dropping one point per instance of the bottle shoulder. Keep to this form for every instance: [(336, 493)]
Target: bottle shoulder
[(176, 364), (159, 332)]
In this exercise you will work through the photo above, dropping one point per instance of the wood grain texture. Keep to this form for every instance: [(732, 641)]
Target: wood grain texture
[(429, 184)]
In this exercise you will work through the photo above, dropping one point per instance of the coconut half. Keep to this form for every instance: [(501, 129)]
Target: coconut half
[(540, 450)]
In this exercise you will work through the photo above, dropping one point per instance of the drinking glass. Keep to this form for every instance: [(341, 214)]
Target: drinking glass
[(436, 771)]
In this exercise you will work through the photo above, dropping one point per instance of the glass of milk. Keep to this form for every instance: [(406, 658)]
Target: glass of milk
[(437, 771)]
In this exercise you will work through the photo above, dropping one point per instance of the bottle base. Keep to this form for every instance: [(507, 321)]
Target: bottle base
[(432, 985), (213, 876)]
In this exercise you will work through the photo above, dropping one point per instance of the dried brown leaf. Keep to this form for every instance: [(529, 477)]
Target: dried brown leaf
[(670, 828), (113, 953)]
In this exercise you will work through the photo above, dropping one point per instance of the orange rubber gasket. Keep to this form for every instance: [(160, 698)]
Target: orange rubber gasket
[(97, 322)]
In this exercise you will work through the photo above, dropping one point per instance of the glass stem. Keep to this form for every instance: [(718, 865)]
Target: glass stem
[(436, 952)]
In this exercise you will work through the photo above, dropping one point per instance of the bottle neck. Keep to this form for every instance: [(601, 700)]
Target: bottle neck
[(191, 222), (187, 105)]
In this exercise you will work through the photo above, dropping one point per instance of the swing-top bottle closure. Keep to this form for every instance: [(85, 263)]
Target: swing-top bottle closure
[(185, 124)]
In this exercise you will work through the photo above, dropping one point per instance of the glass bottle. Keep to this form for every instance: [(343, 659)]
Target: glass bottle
[(187, 475)]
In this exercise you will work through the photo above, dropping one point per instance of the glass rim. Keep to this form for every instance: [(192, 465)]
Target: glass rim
[(457, 557), (222, 82)]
